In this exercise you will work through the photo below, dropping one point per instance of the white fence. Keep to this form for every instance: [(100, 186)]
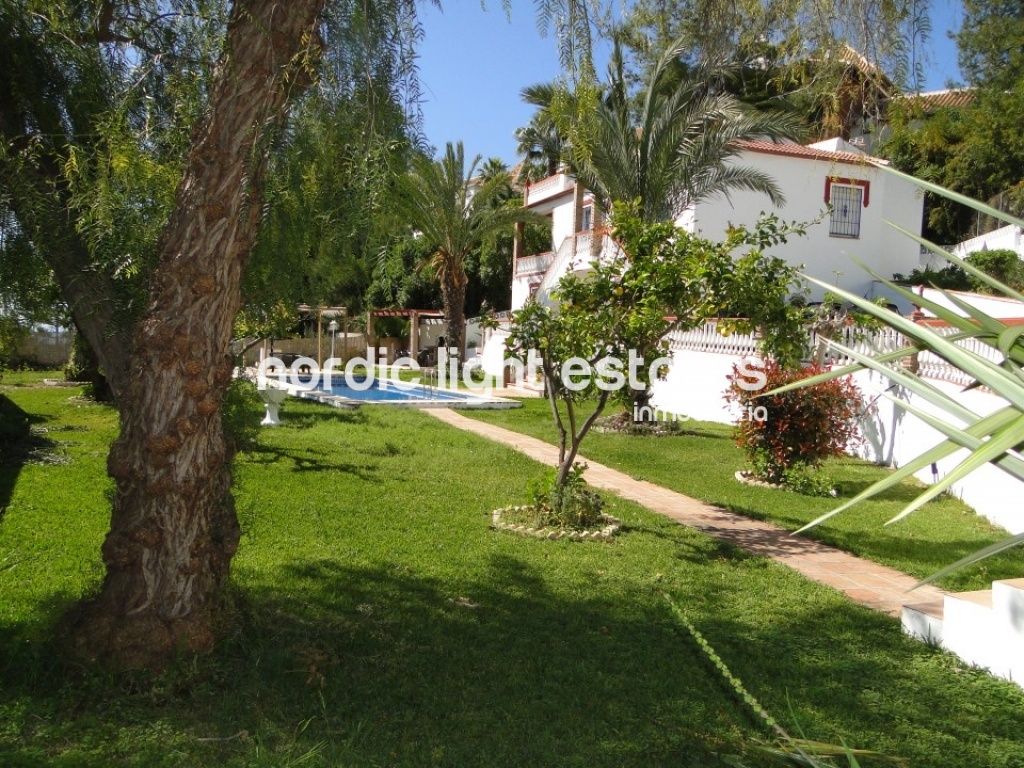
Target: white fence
[(549, 187), (710, 339), (47, 347), (1008, 237)]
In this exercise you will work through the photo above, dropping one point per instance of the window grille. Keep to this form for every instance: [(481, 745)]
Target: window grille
[(846, 207)]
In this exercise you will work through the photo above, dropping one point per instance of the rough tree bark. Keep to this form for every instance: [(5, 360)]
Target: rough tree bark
[(174, 529), (453, 297)]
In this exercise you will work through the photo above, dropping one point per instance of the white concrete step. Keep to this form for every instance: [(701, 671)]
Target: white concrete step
[(968, 627), (984, 628), (1008, 603), (924, 621)]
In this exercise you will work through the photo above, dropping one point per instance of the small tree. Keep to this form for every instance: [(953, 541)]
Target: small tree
[(706, 282), (670, 280)]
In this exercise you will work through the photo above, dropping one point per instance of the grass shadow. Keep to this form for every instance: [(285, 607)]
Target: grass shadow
[(378, 665), (309, 460), (312, 417), (21, 442)]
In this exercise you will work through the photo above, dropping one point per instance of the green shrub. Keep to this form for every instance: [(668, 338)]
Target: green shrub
[(1002, 264), (786, 436), (242, 411), (572, 505), (952, 278), (80, 361)]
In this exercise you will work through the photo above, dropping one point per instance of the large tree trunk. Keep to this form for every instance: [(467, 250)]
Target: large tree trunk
[(174, 530), (84, 366)]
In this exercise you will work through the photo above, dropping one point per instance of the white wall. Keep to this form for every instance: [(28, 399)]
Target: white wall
[(694, 387), (521, 290), (895, 437), (1008, 237), (994, 306), (802, 181), (562, 223)]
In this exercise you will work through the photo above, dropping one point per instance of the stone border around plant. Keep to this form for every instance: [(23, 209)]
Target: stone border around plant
[(746, 477), (612, 527)]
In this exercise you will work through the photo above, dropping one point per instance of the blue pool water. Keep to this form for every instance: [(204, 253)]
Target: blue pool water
[(384, 392)]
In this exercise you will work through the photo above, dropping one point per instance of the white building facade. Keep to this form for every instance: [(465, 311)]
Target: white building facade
[(845, 198)]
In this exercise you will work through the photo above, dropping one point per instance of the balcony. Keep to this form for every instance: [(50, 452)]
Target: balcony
[(550, 187), (534, 265)]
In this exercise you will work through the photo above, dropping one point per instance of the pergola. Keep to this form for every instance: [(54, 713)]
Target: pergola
[(331, 313), (414, 315)]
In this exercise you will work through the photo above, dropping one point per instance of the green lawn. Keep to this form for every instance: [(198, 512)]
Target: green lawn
[(702, 461), (381, 623)]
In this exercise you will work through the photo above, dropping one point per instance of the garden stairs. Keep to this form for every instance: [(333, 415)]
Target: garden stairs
[(985, 628)]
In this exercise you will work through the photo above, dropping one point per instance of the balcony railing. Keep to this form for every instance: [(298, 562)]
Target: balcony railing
[(549, 187), (534, 265)]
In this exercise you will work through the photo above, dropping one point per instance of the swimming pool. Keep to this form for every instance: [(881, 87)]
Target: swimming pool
[(387, 392), (383, 391)]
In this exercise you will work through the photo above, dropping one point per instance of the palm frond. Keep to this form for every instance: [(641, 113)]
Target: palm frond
[(677, 149), (992, 439)]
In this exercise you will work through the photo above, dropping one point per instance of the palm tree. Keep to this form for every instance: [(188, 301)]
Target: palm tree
[(675, 149), (541, 142), (495, 167), (454, 211), (491, 167)]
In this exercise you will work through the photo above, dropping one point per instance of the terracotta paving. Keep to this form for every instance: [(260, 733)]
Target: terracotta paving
[(876, 586)]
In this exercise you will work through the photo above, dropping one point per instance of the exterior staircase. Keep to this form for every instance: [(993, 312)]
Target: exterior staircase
[(576, 254), (984, 628)]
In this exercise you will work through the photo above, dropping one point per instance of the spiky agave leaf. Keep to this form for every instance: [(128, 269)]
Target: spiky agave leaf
[(991, 439)]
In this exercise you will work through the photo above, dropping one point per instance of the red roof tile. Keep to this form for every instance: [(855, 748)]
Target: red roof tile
[(949, 97), (798, 150)]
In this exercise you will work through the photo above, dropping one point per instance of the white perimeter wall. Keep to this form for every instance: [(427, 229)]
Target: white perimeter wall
[(697, 380), (802, 181), (1008, 237)]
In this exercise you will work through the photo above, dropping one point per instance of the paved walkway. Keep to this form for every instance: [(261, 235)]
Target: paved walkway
[(863, 581)]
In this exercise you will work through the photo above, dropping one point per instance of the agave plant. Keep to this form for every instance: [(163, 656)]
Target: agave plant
[(996, 438)]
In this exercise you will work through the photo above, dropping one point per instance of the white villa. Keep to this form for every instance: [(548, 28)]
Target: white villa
[(831, 183)]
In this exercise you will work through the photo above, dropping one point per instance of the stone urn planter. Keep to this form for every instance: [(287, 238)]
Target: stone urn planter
[(272, 398)]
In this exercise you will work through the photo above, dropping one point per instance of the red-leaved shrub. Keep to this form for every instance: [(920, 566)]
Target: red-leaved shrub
[(794, 430)]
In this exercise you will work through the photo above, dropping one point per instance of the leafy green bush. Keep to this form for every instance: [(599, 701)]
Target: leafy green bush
[(951, 278), (787, 435), (567, 505), (242, 410), (80, 362), (1001, 264)]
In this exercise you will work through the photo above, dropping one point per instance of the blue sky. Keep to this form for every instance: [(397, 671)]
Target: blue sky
[(473, 64)]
